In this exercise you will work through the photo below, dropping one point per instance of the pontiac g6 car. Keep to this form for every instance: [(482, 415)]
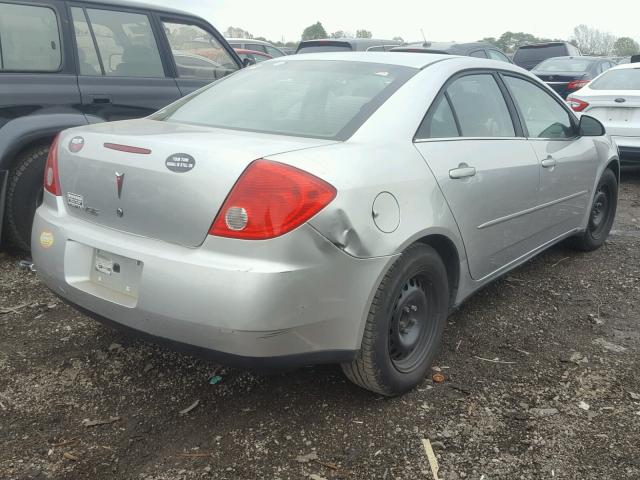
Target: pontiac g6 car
[(330, 207)]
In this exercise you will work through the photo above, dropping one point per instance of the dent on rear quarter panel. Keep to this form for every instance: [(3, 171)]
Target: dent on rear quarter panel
[(360, 173)]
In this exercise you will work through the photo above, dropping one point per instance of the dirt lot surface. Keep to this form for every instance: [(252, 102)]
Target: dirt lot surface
[(542, 375)]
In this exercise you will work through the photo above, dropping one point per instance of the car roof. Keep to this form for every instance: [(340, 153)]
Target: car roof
[(389, 58), (543, 44), (577, 57), (624, 66), (248, 40), (449, 47), (140, 6), (353, 41)]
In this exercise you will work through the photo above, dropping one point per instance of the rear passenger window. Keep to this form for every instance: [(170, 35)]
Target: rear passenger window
[(29, 39), (543, 116), (478, 53), (126, 44), (197, 53), (439, 122), (480, 107), (496, 55)]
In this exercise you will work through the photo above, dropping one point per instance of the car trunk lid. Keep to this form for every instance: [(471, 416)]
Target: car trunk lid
[(619, 111), (157, 179)]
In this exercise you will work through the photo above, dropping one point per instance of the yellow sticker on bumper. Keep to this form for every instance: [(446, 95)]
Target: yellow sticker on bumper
[(46, 239)]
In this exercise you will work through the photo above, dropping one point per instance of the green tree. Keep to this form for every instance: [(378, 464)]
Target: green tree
[(363, 34), (626, 47), (491, 40), (338, 34), (509, 41), (314, 32)]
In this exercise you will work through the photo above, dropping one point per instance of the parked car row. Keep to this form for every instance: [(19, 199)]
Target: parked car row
[(568, 74), (529, 56)]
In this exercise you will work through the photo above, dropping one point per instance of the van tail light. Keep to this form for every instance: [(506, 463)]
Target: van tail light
[(576, 104), (577, 84), (51, 174), (270, 199)]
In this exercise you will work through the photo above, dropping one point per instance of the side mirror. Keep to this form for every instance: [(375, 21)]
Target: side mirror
[(590, 127), (248, 61)]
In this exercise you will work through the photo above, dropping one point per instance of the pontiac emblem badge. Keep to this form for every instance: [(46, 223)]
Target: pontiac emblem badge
[(119, 182)]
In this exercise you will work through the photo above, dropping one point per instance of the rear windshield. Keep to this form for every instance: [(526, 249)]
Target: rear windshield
[(309, 98), (342, 47), (577, 65), (537, 54), (623, 79)]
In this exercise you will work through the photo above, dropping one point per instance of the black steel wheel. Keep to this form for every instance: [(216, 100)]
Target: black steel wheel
[(405, 324), (411, 330), (601, 215), (600, 210)]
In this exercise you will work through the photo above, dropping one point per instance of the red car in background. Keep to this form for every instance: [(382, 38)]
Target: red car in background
[(254, 55)]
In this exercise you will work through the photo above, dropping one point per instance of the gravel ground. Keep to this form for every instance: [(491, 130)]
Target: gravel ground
[(541, 382)]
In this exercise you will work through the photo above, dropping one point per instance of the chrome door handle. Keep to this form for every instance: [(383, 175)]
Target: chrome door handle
[(462, 171), (549, 162)]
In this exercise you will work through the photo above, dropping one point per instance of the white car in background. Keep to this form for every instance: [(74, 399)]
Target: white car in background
[(614, 99)]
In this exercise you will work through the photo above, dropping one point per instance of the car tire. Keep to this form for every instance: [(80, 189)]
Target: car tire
[(602, 215), (24, 193), (404, 326)]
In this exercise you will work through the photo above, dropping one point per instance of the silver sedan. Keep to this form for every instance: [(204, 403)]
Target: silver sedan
[(326, 208)]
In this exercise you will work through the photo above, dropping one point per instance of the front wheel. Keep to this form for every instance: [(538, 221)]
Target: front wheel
[(603, 212), (405, 324)]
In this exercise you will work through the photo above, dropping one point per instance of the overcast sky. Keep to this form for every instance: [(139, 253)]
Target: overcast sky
[(460, 20)]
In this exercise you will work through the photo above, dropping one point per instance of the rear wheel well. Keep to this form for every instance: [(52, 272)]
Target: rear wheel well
[(43, 141), (614, 166), (449, 255)]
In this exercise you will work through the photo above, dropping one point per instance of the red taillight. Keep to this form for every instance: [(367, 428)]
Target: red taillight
[(270, 199), (51, 177), (577, 105), (577, 84)]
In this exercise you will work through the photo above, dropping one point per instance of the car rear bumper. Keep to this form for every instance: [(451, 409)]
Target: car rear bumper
[(629, 148), (292, 300)]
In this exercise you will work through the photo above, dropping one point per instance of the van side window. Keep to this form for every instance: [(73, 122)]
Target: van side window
[(126, 44), (29, 39), (88, 62), (197, 53)]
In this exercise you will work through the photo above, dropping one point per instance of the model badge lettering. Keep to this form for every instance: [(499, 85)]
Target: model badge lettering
[(75, 200), (180, 162)]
